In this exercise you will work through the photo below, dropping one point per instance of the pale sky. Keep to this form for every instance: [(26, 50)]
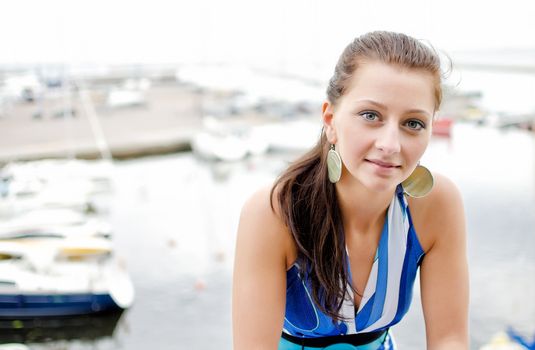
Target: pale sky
[(264, 32)]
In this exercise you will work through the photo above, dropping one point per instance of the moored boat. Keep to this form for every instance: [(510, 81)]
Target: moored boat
[(442, 126), (57, 276)]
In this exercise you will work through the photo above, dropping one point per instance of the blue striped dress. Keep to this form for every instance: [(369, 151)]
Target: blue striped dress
[(387, 295)]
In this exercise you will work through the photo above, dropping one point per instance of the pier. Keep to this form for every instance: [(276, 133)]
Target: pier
[(165, 122)]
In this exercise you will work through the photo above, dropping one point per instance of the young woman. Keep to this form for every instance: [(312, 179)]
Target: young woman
[(327, 257)]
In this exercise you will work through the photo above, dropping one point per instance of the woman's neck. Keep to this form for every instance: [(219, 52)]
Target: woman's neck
[(362, 210)]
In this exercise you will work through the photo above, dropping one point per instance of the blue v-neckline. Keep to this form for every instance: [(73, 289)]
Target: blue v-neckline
[(383, 240)]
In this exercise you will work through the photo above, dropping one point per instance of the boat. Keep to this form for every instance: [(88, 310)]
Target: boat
[(295, 136), (509, 340), (520, 339), (15, 203), (221, 142), (55, 222), (14, 346), (501, 341), (131, 93), (442, 126), (58, 275), (218, 146), (93, 176), (52, 184)]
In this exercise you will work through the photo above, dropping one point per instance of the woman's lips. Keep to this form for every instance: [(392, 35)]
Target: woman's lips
[(382, 164)]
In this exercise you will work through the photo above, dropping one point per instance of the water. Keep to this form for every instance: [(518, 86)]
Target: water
[(175, 221), (508, 93)]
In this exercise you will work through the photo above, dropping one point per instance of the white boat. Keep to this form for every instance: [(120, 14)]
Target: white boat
[(52, 184), (68, 196), (296, 136), (13, 346), (93, 176), (222, 142), (57, 222), (214, 146), (130, 94), (61, 276), (507, 341), (125, 98)]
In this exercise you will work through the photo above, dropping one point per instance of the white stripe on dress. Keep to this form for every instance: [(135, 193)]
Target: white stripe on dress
[(348, 311), (398, 228)]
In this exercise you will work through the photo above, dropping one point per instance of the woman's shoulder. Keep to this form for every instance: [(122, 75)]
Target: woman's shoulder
[(438, 213), (444, 194), (262, 206), (262, 222)]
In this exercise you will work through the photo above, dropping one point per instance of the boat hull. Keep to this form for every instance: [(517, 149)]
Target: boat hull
[(49, 305)]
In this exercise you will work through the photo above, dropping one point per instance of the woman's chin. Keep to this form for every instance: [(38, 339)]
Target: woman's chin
[(380, 186)]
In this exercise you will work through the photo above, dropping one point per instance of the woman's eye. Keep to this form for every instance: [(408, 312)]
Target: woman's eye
[(415, 125), (370, 116)]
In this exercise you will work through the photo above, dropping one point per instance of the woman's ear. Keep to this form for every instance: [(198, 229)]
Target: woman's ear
[(328, 121)]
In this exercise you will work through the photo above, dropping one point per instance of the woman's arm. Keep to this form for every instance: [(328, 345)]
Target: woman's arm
[(444, 270), (259, 282)]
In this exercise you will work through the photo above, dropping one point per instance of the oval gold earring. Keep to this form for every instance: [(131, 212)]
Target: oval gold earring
[(334, 165), (419, 183)]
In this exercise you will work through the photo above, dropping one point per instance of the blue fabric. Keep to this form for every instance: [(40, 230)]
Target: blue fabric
[(385, 302), (380, 292)]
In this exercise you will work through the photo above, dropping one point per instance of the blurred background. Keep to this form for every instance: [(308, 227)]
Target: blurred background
[(142, 126)]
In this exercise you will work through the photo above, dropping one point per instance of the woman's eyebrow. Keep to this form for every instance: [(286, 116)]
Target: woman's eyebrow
[(419, 111), (378, 104), (383, 106)]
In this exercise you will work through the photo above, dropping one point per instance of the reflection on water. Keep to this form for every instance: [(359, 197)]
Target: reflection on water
[(51, 329), (175, 222)]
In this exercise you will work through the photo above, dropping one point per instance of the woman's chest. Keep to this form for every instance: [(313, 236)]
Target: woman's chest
[(362, 253)]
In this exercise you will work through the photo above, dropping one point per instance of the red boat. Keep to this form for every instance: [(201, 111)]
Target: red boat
[(442, 126)]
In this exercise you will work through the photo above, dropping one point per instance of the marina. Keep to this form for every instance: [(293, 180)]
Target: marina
[(161, 189), (132, 133)]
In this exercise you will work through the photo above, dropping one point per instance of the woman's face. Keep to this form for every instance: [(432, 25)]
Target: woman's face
[(381, 126)]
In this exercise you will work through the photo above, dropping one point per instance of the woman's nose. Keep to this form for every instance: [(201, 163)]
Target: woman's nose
[(388, 139)]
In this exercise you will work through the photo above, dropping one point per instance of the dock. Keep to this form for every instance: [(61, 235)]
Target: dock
[(165, 123)]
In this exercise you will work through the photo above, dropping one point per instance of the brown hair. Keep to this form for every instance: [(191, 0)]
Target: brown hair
[(387, 47), (307, 199)]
